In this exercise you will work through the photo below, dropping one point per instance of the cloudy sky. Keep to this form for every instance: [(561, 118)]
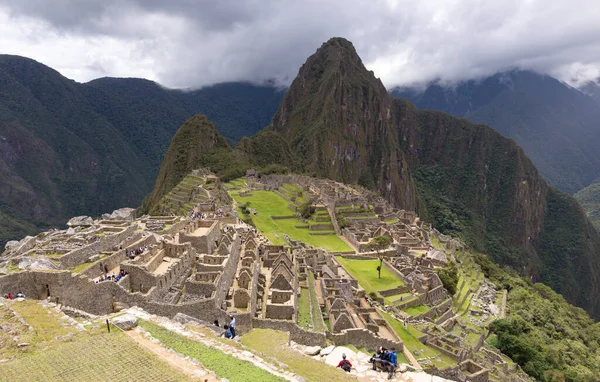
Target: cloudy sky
[(191, 43)]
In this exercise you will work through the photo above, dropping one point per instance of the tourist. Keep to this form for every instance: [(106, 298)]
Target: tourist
[(392, 362), (228, 331), (20, 295), (232, 326), (345, 364), (377, 357)]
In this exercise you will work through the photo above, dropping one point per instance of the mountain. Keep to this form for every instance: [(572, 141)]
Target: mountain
[(592, 88), (557, 126), (70, 149), (338, 121), (589, 198)]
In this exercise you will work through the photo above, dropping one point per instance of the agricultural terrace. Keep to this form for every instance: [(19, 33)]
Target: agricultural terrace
[(268, 204), (57, 350)]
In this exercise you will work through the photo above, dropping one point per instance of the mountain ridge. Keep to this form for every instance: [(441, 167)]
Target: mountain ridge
[(70, 149), (556, 124)]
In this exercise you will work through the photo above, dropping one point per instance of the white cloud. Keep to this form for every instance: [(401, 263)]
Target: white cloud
[(185, 43)]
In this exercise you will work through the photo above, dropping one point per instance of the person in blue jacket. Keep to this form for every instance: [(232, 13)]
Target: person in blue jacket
[(392, 362)]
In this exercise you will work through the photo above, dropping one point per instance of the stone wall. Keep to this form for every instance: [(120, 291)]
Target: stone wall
[(297, 334), (363, 338), (104, 243)]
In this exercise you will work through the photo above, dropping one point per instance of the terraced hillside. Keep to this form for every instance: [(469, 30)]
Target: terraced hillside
[(195, 189)]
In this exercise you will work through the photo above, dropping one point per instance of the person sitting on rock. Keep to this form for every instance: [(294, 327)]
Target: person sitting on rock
[(345, 364), (378, 357), (20, 295), (227, 333)]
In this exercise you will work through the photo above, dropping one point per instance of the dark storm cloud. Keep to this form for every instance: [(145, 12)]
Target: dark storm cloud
[(187, 43)]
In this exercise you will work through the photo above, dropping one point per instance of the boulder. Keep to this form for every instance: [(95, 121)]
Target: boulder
[(327, 350), (127, 214), (80, 221), (312, 350), (71, 231), (125, 322), (11, 244), (37, 264)]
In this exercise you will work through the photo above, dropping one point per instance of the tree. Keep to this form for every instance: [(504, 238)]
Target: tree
[(307, 209), (379, 243), (449, 277)]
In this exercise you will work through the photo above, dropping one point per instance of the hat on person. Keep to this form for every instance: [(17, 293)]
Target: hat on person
[(343, 355)]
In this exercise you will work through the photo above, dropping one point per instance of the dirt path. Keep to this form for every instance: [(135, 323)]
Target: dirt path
[(195, 372)]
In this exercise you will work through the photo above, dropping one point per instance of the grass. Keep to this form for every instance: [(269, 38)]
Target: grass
[(224, 365), (365, 272), (317, 316), (410, 337), (405, 297), (268, 204), (274, 344), (91, 357), (46, 325), (417, 310), (304, 317), (59, 352)]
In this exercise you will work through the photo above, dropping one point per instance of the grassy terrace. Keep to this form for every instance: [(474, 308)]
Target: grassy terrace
[(274, 344), (57, 351), (268, 204), (410, 337), (365, 272), (224, 365), (304, 317)]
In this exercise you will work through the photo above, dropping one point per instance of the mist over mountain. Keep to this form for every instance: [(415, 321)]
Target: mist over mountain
[(558, 126)]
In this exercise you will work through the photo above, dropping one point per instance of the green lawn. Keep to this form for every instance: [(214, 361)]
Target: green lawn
[(274, 344), (268, 204), (365, 272), (405, 297), (416, 310), (318, 324), (410, 337), (224, 365), (304, 317)]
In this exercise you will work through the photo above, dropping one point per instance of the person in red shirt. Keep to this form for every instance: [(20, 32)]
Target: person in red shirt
[(345, 364)]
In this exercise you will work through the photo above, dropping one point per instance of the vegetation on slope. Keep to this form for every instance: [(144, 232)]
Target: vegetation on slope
[(70, 149), (589, 198), (551, 339)]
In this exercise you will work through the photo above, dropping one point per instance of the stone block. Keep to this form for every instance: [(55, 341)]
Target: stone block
[(125, 322)]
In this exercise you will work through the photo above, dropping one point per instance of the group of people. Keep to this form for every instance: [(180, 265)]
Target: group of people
[(229, 329), (10, 296), (112, 277), (386, 359), (135, 252)]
